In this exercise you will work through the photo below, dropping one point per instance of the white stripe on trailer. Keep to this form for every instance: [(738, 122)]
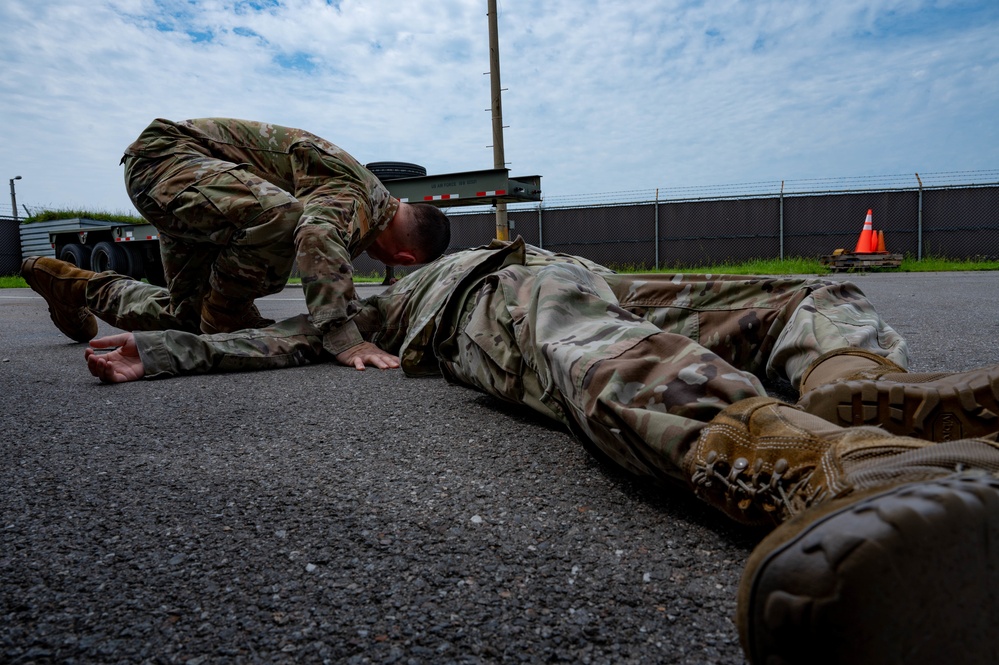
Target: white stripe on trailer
[(494, 192), (441, 197)]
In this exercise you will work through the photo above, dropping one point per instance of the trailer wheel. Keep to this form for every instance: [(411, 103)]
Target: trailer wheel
[(108, 256), (76, 254), (136, 262), (387, 171), (154, 270)]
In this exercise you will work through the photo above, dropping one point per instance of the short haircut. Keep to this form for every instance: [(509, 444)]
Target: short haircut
[(430, 232)]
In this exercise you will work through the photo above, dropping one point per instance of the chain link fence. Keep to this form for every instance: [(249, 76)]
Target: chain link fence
[(10, 246), (684, 228), (932, 216)]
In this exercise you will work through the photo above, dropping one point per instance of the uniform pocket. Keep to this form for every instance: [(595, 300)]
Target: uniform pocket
[(241, 196)]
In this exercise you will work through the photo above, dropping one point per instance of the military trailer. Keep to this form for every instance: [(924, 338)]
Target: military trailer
[(129, 249)]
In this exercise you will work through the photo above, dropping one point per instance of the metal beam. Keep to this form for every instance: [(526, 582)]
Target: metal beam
[(485, 187)]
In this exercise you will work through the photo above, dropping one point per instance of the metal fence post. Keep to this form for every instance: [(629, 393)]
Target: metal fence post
[(781, 229), (655, 229), (919, 222), (541, 228)]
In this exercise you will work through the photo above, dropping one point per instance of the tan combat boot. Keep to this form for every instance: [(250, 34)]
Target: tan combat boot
[(888, 547), (224, 315), (903, 575), (64, 287), (854, 387)]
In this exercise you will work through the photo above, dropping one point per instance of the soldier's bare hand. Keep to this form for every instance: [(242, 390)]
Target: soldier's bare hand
[(365, 354), (122, 363)]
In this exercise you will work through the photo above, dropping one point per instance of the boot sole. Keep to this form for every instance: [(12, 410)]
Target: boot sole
[(909, 575), (924, 410), (82, 332)]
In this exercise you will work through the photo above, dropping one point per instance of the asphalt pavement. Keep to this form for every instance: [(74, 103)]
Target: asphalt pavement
[(321, 514)]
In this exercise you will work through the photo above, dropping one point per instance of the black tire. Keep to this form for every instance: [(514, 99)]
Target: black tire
[(78, 255), (136, 261), (108, 256), (154, 269), (387, 171)]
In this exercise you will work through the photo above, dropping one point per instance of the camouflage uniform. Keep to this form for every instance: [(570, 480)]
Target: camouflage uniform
[(236, 204), (635, 365)]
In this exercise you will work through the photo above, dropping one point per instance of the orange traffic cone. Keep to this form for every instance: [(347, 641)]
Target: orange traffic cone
[(864, 244), (881, 243)]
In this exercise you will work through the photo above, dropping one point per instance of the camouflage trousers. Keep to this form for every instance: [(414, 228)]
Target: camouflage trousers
[(220, 227), (132, 305), (637, 365)]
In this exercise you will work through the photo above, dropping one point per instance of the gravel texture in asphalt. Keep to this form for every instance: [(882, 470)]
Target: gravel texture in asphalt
[(322, 514)]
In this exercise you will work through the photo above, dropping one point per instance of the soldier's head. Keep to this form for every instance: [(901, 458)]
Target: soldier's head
[(418, 233)]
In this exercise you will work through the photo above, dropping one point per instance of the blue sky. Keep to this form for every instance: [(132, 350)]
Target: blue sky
[(602, 95)]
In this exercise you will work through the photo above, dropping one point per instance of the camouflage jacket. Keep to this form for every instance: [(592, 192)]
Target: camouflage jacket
[(345, 205), (408, 319)]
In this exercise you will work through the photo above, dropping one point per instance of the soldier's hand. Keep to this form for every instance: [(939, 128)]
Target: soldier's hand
[(122, 363), (365, 354)]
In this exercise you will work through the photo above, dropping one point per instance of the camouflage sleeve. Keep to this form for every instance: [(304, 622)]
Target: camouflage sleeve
[(288, 343), (335, 227), (322, 242)]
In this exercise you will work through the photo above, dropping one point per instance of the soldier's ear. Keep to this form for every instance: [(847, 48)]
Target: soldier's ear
[(404, 258)]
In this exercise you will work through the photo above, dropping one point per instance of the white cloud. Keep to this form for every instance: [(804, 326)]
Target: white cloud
[(601, 95)]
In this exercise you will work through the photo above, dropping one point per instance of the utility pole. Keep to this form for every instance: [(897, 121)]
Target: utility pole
[(13, 196), (499, 158)]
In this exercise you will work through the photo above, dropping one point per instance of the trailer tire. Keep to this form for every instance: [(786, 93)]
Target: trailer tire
[(108, 256), (154, 271), (77, 254), (136, 262), (387, 171)]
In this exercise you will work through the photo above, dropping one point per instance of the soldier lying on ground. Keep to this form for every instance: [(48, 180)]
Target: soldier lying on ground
[(237, 203), (885, 545)]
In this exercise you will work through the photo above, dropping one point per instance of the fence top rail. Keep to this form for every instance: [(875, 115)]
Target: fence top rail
[(546, 205), (983, 177)]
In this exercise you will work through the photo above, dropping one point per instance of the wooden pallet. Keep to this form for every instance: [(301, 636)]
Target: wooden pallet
[(850, 261)]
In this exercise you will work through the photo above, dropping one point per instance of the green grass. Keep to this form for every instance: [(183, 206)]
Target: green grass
[(13, 282), (809, 266), (101, 216), (795, 266), (934, 264), (371, 278)]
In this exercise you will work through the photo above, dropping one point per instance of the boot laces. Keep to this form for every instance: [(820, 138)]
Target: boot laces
[(750, 489)]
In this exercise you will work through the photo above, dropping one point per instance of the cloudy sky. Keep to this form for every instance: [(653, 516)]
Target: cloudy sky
[(602, 95)]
